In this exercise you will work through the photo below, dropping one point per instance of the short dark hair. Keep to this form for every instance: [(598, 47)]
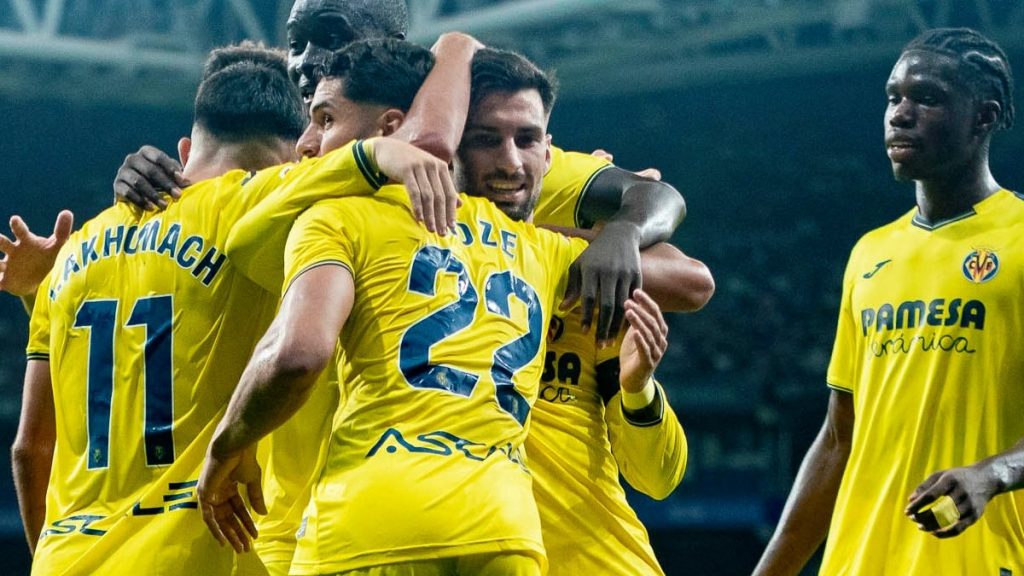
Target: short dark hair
[(496, 70), (248, 97), (245, 51), (384, 71), (378, 18), (984, 68)]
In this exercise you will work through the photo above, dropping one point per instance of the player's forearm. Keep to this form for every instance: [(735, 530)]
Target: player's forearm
[(31, 467), (677, 282), (32, 452), (651, 456), (808, 511), (1006, 469), (652, 209), (275, 384), (437, 116)]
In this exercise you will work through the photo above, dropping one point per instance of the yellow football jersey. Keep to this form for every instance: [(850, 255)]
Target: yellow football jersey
[(256, 246), (444, 344), (928, 328), (577, 448), (147, 327), (565, 186)]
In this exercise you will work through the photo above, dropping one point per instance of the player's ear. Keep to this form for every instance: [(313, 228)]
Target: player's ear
[(547, 152), (184, 148), (390, 121), (987, 117)]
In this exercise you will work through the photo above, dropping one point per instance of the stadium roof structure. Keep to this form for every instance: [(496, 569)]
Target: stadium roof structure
[(149, 52)]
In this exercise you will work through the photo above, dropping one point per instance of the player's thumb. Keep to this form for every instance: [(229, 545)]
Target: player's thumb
[(62, 227)]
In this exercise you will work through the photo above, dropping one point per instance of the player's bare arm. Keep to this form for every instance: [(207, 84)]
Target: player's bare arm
[(437, 116), (639, 212), (970, 489), (808, 511), (676, 282), (28, 258), (32, 452), (276, 383)]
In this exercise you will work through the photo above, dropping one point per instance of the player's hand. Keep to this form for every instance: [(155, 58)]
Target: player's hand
[(426, 177), (28, 258), (652, 173), (604, 275), (644, 344), (456, 41), (224, 511), (146, 176), (970, 487)]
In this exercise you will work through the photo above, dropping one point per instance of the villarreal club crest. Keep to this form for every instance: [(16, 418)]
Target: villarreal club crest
[(981, 266)]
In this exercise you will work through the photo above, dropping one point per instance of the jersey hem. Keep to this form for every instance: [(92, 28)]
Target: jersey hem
[(421, 553), (317, 265), (839, 388)]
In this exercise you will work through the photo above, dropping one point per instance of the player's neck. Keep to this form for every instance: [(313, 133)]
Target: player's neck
[(212, 161), (944, 198)]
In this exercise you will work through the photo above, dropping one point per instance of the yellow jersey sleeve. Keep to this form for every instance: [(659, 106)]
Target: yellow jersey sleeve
[(318, 237), (651, 458), (39, 325), (565, 187), (841, 367), (257, 241)]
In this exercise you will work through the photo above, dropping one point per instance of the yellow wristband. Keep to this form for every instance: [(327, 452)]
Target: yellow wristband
[(639, 400)]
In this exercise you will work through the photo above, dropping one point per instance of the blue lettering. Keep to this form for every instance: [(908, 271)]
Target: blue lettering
[(909, 314), (147, 236), (974, 313), (211, 263), (867, 318), (192, 242), (884, 319), (112, 240), (485, 236), (170, 242), (954, 312), (89, 253), (465, 232), (128, 237), (508, 243), (935, 312)]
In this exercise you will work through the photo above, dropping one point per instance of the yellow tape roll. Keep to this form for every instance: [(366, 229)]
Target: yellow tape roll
[(945, 511)]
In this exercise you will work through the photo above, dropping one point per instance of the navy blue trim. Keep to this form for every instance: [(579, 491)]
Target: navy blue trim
[(374, 177)]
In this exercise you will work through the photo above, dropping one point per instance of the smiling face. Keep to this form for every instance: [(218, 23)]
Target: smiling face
[(930, 118), (505, 151)]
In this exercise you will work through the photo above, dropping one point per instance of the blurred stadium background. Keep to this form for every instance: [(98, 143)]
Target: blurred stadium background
[(766, 114)]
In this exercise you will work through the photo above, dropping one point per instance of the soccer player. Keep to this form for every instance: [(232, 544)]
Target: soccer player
[(342, 103), (118, 375), (442, 338), (923, 437), (606, 273)]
